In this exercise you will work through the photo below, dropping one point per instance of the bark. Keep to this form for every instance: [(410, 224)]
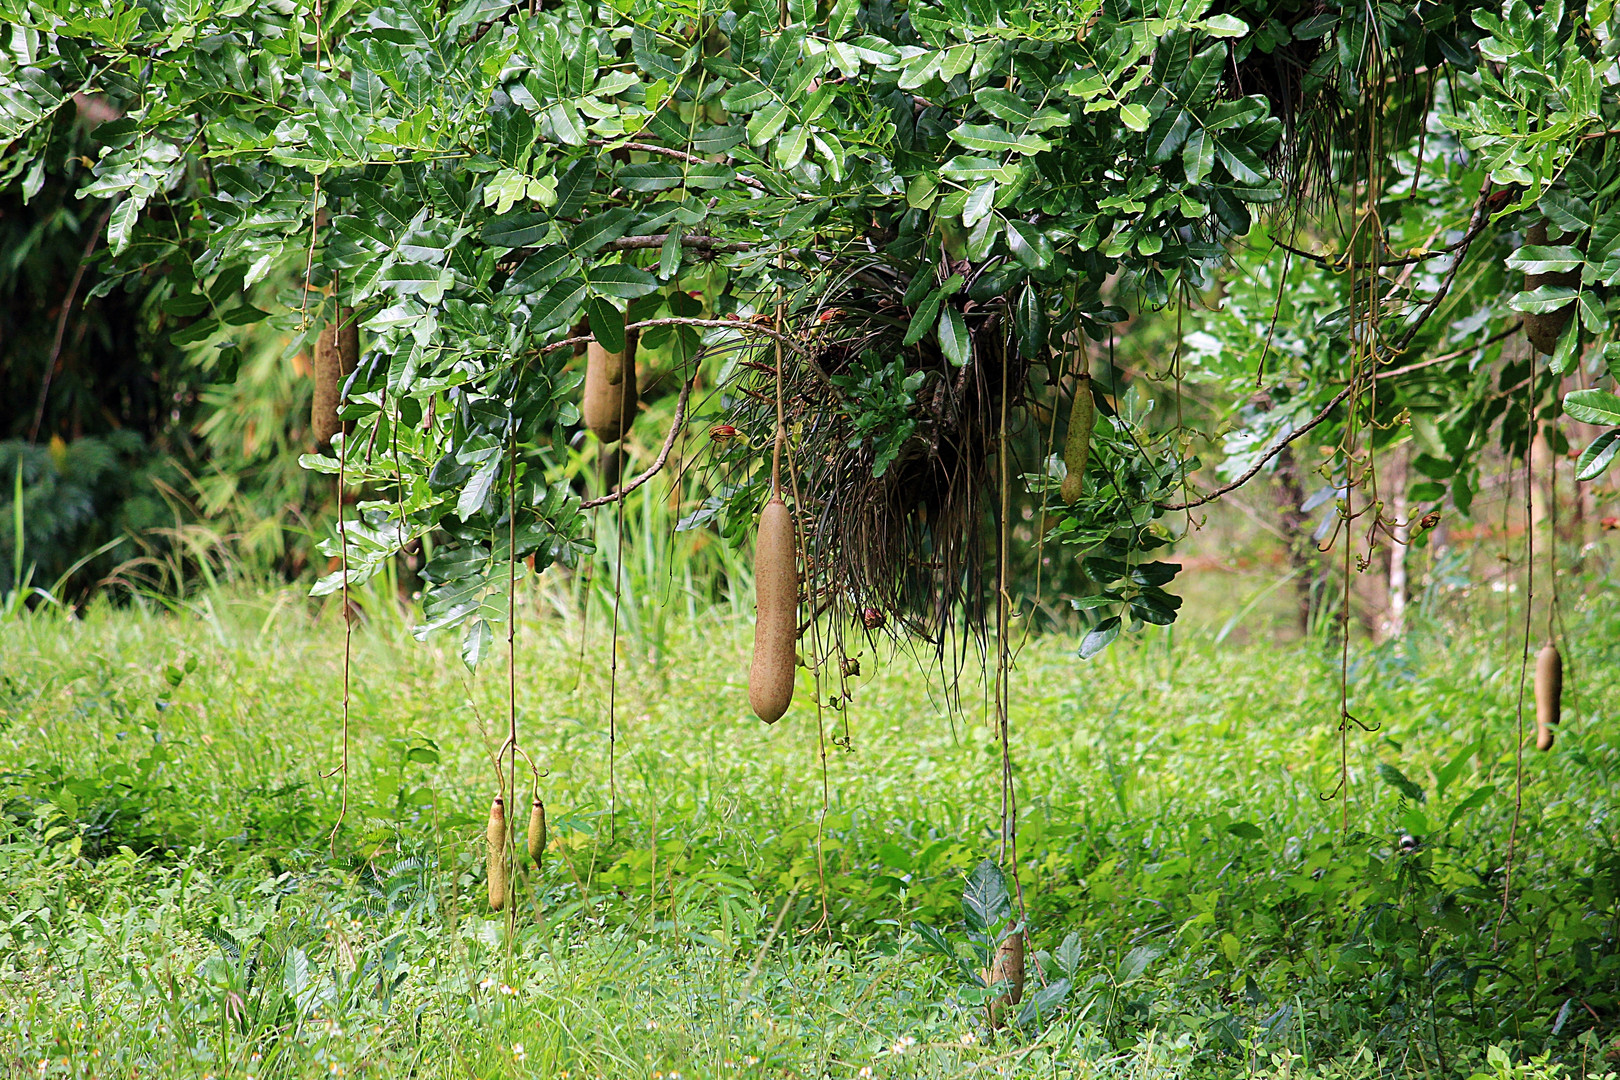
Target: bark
[(1296, 530)]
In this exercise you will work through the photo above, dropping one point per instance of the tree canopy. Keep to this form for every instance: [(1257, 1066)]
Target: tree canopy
[(899, 215)]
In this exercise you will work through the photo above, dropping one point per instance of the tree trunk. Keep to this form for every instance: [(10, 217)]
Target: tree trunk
[(1296, 535)]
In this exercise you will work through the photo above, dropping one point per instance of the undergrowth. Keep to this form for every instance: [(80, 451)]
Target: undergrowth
[(172, 905)]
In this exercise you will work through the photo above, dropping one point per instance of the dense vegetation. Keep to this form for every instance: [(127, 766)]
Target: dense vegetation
[(172, 907), (940, 211), (478, 316)]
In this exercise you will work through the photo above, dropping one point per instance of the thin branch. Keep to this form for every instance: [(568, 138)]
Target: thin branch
[(656, 240), (1447, 357), (1276, 449), (62, 321), (1476, 225), (1480, 220), (678, 155), (724, 324), (663, 454)]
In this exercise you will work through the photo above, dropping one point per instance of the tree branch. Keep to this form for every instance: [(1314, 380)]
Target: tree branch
[(658, 462), (1476, 225), (1276, 449), (62, 321), (678, 155), (1446, 357), (656, 240), (724, 324)]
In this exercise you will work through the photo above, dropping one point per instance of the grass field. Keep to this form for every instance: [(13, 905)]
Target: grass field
[(172, 905)]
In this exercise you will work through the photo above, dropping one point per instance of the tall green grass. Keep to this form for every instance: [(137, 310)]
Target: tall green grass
[(173, 906)]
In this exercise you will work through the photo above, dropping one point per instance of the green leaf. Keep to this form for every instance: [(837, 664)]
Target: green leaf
[(651, 176), (1533, 259), (1198, 156), (1224, 26), (121, 223), (543, 267), (1029, 246), (1591, 309), (196, 333), (1569, 212), (1134, 116), (842, 18), (1245, 830), (526, 228), (1029, 322), (718, 140), (971, 168), (1593, 407), (920, 193), (559, 304), (573, 187), (922, 320), (595, 233), (934, 940), (1136, 962), (622, 281), (476, 642), (476, 492), (996, 140), (1169, 134), (1100, 638), (1563, 357), (1596, 459), (1244, 166), (1398, 780), (979, 203), (1005, 105), (607, 323), (769, 120), (986, 904), (1477, 798), (953, 336), (1543, 299), (644, 46)]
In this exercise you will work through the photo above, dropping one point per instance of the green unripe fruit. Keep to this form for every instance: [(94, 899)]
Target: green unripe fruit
[(1077, 446)]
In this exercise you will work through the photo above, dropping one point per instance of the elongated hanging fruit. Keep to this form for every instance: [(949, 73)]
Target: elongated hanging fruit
[(323, 418), (537, 832), (609, 406), (1007, 968), (776, 630), (1544, 328), (496, 836), (337, 352), (1549, 694), (1077, 446)]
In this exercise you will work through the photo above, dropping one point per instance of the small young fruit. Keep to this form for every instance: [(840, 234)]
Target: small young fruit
[(1077, 446), (537, 832), (1549, 693), (496, 836), (609, 406), (776, 629), (1007, 968), (337, 352)]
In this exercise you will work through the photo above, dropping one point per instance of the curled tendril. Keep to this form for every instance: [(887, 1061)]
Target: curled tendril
[(1347, 719)]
